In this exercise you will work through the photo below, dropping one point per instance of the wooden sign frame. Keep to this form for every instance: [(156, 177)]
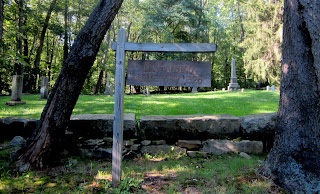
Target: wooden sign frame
[(121, 47)]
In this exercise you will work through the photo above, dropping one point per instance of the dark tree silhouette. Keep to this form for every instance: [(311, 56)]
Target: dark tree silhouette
[(294, 163), (45, 143)]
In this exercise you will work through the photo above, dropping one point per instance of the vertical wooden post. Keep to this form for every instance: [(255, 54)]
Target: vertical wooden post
[(118, 109)]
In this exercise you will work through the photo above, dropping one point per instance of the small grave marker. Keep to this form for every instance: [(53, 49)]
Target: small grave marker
[(194, 90), (268, 88), (16, 91), (273, 88)]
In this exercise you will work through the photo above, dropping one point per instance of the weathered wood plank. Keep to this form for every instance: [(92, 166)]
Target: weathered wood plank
[(168, 47), (169, 73), (118, 109)]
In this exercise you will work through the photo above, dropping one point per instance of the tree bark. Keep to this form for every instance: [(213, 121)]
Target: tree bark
[(97, 87), (1, 23), (65, 45), (19, 66), (42, 36), (294, 163), (45, 143)]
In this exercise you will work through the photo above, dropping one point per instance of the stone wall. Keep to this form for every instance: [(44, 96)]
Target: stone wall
[(98, 128)]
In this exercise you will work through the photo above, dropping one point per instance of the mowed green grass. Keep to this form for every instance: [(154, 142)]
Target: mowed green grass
[(234, 103)]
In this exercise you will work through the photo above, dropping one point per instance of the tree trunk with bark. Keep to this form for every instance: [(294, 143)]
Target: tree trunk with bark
[(18, 64), (294, 163), (65, 45), (1, 23), (45, 143), (42, 36), (97, 87)]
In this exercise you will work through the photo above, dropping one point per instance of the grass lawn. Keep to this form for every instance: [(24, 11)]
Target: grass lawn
[(234, 103), (148, 174), (160, 174)]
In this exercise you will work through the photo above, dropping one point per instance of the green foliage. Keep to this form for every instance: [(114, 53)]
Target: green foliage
[(248, 31), (127, 185), (218, 174), (264, 40), (234, 103)]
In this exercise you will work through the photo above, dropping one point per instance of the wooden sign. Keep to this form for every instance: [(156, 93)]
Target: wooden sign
[(169, 47), (158, 73), (169, 73)]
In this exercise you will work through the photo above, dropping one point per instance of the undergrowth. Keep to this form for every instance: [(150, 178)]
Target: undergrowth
[(167, 173)]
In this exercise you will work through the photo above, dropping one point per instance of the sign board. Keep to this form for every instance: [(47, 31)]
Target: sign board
[(169, 73), (158, 73)]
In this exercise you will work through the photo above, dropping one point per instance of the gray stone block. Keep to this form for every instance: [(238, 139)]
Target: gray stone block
[(259, 127), (190, 144), (158, 142), (259, 123), (192, 154), (146, 142), (100, 153), (157, 149), (173, 128), (16, 142), (93, 126), (15, 126), (219, 147), (245, 155)]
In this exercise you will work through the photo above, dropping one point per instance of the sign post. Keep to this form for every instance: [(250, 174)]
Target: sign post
[(160, 73), (118, 109)]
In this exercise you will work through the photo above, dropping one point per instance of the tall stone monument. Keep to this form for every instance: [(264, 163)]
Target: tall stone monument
[(233, 85), (16, 91)]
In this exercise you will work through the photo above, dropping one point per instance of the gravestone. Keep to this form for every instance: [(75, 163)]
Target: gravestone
[(215, 89), (16, 91), (44, 88), (273, 88), (194, 90), (242, 90), (223, 89), (147, 91), (109, 88), (268, 88), (233, 85)]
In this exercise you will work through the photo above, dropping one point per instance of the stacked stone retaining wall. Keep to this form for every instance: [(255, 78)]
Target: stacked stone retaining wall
[(260, 127)]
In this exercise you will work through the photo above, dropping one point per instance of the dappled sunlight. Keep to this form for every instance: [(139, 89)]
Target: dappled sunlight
[(155, 102), (103, 175), (202, 103)]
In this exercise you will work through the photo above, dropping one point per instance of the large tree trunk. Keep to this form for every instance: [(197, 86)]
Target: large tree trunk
[(1, 23), (97, 87), (65, 45), (45, 143), (19, 66), (294, 163), (42, 36)]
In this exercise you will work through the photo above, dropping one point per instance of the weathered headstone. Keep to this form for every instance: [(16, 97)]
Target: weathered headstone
[(273, 88), (242, 90), (16, 92), (223, 89), (109, 88), (268, 88), (233, 85), (194, 90), (147, 91), (215, 89), (44, 88)]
